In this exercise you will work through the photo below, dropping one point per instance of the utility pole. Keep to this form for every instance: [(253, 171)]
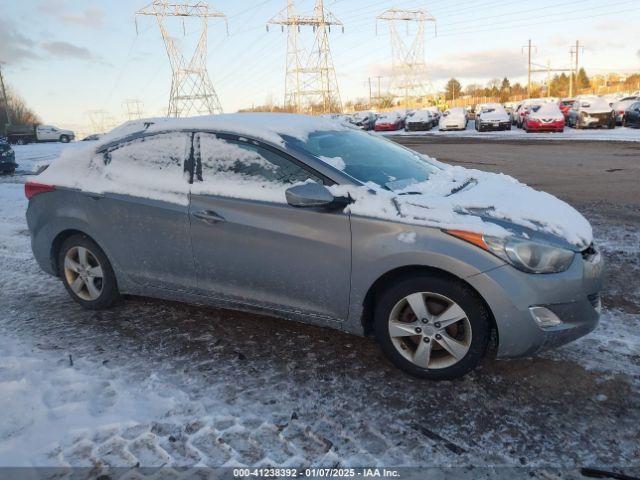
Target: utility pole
[(316, 84), (192, 91), (529, 48), (410, 76), (4, 95), (573, 77), (370, 100)]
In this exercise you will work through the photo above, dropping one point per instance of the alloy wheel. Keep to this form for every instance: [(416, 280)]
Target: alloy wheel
[(430, 330), (83, 273)]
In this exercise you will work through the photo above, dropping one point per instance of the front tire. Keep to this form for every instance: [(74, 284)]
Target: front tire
[(64, 138), (87, 273), (432, 327)]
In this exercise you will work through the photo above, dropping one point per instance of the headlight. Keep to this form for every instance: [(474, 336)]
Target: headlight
[(525, 255)]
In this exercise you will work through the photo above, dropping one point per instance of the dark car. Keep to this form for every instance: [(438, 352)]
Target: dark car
[(565, 105), (7, 158), (632, 116)]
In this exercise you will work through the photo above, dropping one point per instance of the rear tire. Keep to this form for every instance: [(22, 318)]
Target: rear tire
[(440, 296), (87, 273)]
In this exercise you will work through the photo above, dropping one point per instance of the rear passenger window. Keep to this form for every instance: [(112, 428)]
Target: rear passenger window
[(242, 169), (152, 167)]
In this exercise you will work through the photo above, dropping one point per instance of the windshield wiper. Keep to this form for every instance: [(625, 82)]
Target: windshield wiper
[(464, 185)]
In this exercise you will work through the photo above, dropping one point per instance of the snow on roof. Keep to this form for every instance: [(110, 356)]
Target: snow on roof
[(265, 126)]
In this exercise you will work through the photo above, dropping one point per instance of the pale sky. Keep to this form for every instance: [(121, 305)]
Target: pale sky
[(68, 57)]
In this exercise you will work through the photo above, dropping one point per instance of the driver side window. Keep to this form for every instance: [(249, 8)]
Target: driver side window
[(242, 169)]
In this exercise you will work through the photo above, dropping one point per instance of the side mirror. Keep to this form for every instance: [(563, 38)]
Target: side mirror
[(314, 195)]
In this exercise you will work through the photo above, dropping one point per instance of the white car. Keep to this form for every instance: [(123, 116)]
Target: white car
[(492, 116), (453, 119)]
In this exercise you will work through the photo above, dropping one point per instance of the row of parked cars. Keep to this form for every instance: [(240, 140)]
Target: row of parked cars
[(584, 111), (532, 115), (411, 120)]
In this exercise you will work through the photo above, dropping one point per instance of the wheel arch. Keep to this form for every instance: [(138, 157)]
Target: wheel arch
[(57, 242), (395, 274)]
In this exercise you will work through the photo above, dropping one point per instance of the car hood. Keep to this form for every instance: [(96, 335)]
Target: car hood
[(475, 201)]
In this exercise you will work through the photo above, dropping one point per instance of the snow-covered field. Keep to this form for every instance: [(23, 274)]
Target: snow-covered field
[(618, 134), (154, 383)]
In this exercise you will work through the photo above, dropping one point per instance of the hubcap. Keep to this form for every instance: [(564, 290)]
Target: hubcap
[(440, 342), (83, 273)]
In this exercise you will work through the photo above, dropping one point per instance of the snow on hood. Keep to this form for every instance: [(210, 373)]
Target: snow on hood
[(420, 116), (596, 105), (547, 110), (475, 201)]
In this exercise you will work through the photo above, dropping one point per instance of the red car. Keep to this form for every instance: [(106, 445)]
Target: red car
[(565, 105), (544, 118), (389, 122)]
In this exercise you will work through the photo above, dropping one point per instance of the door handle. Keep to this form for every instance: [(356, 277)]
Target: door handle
[(209, 216)]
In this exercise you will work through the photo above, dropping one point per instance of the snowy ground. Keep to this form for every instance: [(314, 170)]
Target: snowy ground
[(618, 134), (154, 383)]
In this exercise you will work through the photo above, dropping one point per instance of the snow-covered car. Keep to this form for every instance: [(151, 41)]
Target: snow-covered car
[(7, 157), (419, 120), (620, 107), (304, 218), (546, 117), (23, 134), (389, 121), (364, 120), (492, 116), (453, 119), (632, 116), (591, 112)]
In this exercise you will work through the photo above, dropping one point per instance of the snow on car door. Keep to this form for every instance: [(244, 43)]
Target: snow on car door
[(251, 247), (141, 212)]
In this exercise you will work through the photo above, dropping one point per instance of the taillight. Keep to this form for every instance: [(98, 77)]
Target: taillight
[(31, 189)]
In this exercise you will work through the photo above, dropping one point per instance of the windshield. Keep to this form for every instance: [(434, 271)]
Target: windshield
[(367, 158)]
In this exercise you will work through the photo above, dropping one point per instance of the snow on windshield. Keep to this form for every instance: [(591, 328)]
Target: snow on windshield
[(420, 116), (548, 110)]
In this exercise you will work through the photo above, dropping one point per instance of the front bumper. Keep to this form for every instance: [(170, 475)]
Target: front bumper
[(8, 163), (495, 125), (573, 296), (544, 126)]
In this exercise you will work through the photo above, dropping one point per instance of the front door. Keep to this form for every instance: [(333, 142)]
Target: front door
[(250, 246)]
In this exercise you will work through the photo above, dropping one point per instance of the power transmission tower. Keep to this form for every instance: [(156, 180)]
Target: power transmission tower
[(192, 91), (133, 108), (410, 76), (99, 120), (310, 86)]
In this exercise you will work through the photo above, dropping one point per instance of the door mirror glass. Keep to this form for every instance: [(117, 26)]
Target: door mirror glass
[(313, 195)]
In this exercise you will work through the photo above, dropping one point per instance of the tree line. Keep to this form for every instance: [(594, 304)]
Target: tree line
[(15, 111)]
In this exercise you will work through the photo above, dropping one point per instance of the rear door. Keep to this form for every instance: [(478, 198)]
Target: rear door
[(140, 209), (250, 246)]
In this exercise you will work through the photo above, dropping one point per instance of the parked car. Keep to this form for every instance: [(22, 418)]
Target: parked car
[(364, 120), (389, 121), (591, 112), (523, 107), (632, 115), (621, 106), (420, 120), (544, 118), (22, 134), (453, 119), (7, 158), (565, 105), (492, 116), (435, 113), (249, 211)]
